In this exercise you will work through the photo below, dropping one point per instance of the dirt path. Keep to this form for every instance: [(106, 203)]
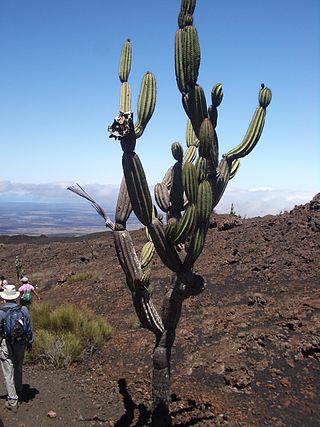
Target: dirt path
[(57, 391)]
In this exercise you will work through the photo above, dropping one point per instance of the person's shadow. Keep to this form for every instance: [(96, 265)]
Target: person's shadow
[(28, 393)]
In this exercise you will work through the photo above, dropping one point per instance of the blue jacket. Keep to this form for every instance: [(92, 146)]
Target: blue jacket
[(26, 314)]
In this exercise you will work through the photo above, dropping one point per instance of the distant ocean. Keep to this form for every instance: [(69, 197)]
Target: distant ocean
[(36, 218)]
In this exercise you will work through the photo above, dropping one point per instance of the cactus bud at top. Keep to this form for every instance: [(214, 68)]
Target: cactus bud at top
[(186, 10), (146, 102), (125, 62), (177, 151), (216, 95), (206, 138), (265, 96)]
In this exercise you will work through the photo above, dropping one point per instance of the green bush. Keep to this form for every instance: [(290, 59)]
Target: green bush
[(65, 334), (80, 277), (39, 315)]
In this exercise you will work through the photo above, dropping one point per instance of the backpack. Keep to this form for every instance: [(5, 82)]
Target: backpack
[(13, 326), (27, 296)]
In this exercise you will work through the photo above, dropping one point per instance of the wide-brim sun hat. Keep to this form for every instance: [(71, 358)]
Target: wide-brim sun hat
[(24, 279), (9, 293)]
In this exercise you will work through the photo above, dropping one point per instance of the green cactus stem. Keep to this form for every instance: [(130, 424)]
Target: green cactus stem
[(146, 103), (125, 98), (123, 207), (255, 128), (125, 62), (137, 187)]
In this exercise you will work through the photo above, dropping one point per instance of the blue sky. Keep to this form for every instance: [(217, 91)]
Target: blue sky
[(59, 89)]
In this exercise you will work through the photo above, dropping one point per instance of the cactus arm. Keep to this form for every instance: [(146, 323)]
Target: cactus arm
[(125, 97), (167, 179), (137, 187), (146, 312), (125, 61), (176, 191), (147, 254), (234, 168), (223, 177), (255, 128), (162, 196), (164, 248), (192, 144), (124, 71), (123, 207), (146, 103), (127, 257), (191, 138)]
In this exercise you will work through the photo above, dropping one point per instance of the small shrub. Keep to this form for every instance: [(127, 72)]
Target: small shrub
[(95, 331), (39, 315), (66, 317), (65, 334), (80, 277)]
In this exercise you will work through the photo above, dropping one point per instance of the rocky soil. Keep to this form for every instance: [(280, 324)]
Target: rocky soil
[(247, 350)]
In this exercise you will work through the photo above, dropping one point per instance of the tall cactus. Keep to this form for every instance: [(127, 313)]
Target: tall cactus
[(187, 195)]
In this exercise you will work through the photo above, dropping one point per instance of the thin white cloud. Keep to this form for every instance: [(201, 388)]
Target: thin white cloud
[(56, 191), (246, 202), (262, 201)]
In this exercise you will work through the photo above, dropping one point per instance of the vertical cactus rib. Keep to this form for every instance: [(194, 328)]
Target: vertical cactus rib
[(191, 138), (190, 154), (234, 168), (204, 202), (190, 181), (177, 151), (146, 311), (125, 98), (123, 207), (184, 225), (165, 250), (187, 58), (127, 257), (167, 179), (186, 11), (146, 102), (216, 95), (125, 62), (162, 197), (170, 228), (206, 138), (191, 55), (223, 176), (196, 246), (201, 166), (180, 63), (195, 106), (146, 254), (137, 187), (176, 191)]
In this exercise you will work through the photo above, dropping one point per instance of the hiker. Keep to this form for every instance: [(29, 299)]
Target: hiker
[(26, 290), (3, 283), (16, 336)]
